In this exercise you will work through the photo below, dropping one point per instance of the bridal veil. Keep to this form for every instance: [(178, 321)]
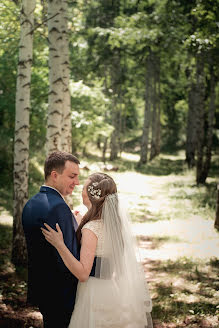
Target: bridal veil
[(122, 277)]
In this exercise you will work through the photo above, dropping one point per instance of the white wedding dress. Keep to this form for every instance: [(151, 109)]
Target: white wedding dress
[(99, 303)]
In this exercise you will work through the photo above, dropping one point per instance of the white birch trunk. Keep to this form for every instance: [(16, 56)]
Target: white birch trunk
[(21, 138), (66, 135), (54, 121)]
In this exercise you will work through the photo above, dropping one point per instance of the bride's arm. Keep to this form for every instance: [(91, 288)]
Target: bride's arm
[(80, 269)]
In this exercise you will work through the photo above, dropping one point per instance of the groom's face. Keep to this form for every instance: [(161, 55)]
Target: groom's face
[(68, 179)]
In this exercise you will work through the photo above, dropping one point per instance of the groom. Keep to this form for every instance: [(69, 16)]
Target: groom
[(51, 286)]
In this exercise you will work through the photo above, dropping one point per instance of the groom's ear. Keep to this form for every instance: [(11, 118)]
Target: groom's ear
[(54, 175)]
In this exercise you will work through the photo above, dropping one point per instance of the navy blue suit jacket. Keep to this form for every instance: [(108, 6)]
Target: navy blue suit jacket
[(49, 281)]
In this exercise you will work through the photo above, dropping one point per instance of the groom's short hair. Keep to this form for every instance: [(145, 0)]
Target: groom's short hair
[(56, 161)]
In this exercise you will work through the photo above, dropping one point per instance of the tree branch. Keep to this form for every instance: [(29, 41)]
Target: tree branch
[(45, 20)]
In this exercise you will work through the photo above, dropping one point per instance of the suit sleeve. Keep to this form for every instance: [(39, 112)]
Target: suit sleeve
[(62, 215)]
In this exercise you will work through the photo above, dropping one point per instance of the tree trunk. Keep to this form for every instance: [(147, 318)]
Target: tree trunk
[(116, 72), (114, 142), (54, 122), (105, 137), (146, 125), (99, 139), (66, 137), (104, 149), (216, 223), (211, 114), (21, 139), (191, 134), (157, 141), (200, 118), (154, 113), (120, 126)]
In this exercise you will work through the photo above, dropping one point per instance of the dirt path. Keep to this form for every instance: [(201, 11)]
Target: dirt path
[(162, 218)]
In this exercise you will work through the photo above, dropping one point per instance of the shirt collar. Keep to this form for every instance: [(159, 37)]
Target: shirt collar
[(54, 189)]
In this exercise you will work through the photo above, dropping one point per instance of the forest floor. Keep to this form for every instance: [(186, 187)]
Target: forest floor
[(173, 220)]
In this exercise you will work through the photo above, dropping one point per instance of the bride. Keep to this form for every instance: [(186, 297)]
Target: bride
[(117, 296)]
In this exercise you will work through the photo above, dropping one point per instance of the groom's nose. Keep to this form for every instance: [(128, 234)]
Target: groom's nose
[(77, 182)]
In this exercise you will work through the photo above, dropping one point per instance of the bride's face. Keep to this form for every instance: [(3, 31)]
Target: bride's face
[(86, 200)]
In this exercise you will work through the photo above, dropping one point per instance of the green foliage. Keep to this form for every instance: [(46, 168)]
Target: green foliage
[(9, 37), (90, 106), (204, 37)]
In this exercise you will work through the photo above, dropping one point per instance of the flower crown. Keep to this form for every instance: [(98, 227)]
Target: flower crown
[(95, 193)]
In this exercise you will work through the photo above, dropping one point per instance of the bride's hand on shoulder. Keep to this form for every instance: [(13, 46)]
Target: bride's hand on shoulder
[(52, 236)]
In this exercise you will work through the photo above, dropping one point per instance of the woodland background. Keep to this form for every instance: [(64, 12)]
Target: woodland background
[(131, 87)]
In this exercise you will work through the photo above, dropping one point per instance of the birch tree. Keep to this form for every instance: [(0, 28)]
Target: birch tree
[(21, 138), (55, 99), (59, 107), (66, 136)]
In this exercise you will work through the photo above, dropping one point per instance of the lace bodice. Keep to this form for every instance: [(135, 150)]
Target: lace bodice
[(96, 227)]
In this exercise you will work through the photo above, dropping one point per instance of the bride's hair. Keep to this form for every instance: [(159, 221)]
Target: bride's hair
[(105, 185)]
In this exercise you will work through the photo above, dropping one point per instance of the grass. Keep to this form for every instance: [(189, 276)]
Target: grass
[(173, 221), (5, 245)]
